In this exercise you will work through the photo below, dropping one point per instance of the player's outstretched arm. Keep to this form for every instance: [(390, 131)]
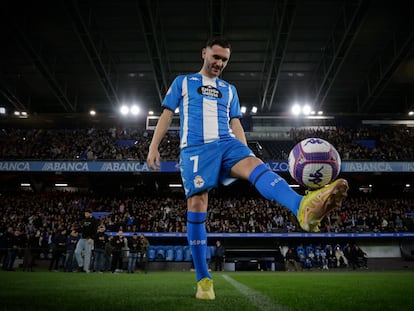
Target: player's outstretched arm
[(153, 158)]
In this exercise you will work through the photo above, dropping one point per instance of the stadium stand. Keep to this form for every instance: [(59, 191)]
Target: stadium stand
[(386, 143), (40, 211)]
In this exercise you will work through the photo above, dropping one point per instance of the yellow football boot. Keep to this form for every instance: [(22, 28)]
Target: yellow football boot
[(316, 204), (205, 289)]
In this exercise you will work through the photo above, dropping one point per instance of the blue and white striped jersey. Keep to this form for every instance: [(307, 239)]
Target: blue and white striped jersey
[(206, 107)]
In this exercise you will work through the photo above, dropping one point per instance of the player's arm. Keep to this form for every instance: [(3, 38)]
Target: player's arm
[(153, 158), (238, 130)]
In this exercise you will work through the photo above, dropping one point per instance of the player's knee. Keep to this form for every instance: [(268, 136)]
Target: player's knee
[(198, 203), (245, 167)]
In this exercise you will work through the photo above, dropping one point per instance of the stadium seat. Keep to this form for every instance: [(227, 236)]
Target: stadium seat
[(169, 253), (187, 254), (212, 250), (178, 253), (300, 250), (208, 256), (151, 253), (160, 253), (301, 253)]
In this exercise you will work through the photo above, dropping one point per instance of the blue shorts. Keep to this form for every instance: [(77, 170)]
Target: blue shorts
[(204, 166)]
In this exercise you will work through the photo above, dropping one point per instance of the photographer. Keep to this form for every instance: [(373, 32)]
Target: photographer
[(142, 255), (219, 256), (360, 256), (291, 260)]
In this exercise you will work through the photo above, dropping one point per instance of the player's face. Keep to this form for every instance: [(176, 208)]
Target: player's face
[(215, 60)]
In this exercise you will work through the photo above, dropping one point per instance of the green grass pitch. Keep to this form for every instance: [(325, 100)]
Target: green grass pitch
[(350, 290)]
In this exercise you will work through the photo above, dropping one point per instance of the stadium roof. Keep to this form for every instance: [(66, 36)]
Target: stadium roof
[(343, 57)]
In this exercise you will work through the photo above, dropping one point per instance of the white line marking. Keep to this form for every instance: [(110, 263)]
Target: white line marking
[(259, 300)]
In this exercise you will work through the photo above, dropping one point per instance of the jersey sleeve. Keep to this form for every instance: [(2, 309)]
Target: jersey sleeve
[(235, 111), (174, 94)]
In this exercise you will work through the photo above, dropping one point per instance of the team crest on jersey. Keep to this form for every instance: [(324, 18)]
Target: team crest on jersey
[(210, 91), (198, 181)]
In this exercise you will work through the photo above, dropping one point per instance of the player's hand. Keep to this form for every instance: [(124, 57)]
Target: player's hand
[(153, 158)]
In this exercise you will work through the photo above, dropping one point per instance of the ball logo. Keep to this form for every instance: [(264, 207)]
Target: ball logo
[(316, 177), (209, 91), (314, 141)]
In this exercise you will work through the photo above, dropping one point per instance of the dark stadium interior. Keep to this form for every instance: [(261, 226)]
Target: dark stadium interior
[(345, 57)]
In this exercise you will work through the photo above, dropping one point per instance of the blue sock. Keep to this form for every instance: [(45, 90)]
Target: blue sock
[(273, 187), (197, 239)]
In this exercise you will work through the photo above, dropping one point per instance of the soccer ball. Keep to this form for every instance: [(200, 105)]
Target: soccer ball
[(314, 162)]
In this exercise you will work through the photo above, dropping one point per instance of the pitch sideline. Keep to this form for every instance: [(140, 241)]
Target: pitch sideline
[(261, 301)]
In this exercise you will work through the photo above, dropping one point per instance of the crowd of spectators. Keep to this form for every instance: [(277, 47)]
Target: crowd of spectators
[(375, 143), (35, 219), (82, 144), (31, 212), (385, 143)]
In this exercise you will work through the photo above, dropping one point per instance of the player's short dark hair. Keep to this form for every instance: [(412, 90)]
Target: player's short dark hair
[(221, 41)]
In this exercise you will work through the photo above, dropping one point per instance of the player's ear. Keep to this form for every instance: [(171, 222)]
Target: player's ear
[(203, 53)]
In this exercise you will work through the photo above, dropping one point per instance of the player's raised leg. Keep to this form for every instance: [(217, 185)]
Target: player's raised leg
[(309, 209)]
